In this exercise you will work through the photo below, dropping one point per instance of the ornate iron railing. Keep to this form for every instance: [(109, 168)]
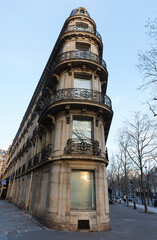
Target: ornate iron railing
[(78, 54), (29, 165), (45, 153), (84, 146), (76, 94), (23, 168), (81, 94), (36, 159), (72, 28)]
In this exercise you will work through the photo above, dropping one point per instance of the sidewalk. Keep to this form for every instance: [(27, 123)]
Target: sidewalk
[(150, 209), (127, 224)]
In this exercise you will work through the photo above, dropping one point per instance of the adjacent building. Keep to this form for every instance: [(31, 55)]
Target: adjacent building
[(2, 160), (3, 157), (56, 168)]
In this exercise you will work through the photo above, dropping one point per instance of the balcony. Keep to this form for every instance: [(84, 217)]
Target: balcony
[(45, 153), (35, 161), (83, 146), (79, 94), (74, 28), (75, 58), (78, 54)]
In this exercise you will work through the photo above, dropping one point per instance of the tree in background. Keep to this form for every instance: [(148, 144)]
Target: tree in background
[(148, 64), (124, 159), (112, 177), (141, 138)]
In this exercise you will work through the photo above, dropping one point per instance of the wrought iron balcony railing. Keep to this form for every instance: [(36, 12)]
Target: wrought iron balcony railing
[(78, 54), (38, 158), (84, 146), (45, 153), (76, 94), (72, 28)]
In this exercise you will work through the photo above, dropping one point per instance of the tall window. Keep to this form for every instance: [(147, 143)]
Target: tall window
[(82, 190), (82, 129)]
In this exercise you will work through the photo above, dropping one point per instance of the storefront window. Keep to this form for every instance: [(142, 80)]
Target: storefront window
[(82, 190)]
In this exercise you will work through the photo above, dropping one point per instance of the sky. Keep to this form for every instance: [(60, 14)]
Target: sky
[(29, 30)]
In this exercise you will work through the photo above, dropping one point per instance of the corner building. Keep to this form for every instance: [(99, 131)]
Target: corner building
[(56, 168)]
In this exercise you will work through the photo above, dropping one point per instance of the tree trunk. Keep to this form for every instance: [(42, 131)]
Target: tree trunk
[(148, 190), (126, 187), (143, 190)]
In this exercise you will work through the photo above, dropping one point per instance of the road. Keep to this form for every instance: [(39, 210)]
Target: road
[(127, 224)]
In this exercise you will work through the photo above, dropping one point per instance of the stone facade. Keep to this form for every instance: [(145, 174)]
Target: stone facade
[(56, 167), (2, 160)]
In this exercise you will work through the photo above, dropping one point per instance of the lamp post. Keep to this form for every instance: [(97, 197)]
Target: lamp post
[(133, 193)]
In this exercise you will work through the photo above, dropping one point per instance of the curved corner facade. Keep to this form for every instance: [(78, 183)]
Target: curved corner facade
[(56, 167)]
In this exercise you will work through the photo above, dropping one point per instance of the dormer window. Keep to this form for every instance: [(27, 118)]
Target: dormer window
[(82, 11), (79, 10)]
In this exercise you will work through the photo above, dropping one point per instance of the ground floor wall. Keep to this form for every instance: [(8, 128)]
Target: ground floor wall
[(47, 193)]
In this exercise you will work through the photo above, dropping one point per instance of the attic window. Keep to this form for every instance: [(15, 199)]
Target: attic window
[(81, 26), (82, 11), (82, 46)]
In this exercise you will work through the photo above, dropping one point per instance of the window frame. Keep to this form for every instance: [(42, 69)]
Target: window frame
[(83, 76), (81, 26), (84, 45), (93, 193), (84, 118)]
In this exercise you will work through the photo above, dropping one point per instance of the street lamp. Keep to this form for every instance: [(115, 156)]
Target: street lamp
[(133, 194)]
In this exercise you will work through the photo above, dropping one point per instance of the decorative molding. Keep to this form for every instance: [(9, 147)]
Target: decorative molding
[(67, 113)]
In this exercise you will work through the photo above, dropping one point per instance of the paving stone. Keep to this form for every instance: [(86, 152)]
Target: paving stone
[(126, 223), (3, 236)]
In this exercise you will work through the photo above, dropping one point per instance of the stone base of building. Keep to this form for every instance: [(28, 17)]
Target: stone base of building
[(73, 227), (48, 197)]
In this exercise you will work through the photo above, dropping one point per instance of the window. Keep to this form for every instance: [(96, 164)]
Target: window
[(82, 11), (82, 190), (82, 81), (82, 46), (81, 26), (82, 129)]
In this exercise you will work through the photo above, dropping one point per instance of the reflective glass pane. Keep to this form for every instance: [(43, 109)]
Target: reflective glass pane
[(82, 190), (82, 83), (82, 129)]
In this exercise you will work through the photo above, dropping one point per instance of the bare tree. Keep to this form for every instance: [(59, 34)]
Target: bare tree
[(148, 68), (148, 64), (119, 175), (123, 157), (112, 177), (148, 59), (141, 144)]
